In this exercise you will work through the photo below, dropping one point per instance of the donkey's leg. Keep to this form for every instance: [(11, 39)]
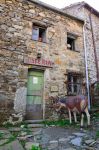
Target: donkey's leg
[(88, 115), (82, 120), (70, 119), (75, 116)]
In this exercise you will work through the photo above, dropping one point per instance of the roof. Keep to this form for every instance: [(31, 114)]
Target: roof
[(83, 4), (57, 10)]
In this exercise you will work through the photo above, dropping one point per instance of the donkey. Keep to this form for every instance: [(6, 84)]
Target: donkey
[(75, 104)]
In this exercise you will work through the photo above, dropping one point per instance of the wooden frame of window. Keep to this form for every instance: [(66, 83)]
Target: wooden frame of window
[(38, 33), (71, 41), (74, 83)]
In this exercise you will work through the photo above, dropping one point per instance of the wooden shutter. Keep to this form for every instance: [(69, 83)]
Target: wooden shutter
[(35, 33), (44, 36)]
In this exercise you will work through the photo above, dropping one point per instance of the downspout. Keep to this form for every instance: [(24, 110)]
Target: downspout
[(86, 65), (94, 45)]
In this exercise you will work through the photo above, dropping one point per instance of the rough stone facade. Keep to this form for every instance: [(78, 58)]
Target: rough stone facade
[(83, 10), (17, 18)]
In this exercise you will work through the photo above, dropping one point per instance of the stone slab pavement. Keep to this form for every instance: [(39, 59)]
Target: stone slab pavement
[(12, 145), (15, 145)]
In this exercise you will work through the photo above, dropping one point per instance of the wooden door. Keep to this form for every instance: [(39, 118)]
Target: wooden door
[(35, 95)]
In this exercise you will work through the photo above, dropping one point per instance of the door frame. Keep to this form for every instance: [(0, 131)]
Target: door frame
[(43, 97)]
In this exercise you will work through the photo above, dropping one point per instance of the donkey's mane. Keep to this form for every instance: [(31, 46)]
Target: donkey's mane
[(69, 98)]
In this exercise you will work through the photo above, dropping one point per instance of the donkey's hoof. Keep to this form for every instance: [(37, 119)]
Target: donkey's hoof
[(81, 127)]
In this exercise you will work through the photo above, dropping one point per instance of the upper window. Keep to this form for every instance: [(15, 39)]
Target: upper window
[(71, 42), (39, 33)]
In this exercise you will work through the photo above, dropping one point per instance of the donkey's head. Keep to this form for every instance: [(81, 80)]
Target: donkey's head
[(59, 103)]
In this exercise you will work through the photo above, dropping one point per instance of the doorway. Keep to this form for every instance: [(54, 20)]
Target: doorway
[(35, 86)]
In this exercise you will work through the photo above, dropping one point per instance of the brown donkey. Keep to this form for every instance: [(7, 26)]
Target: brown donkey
[(75, 104)]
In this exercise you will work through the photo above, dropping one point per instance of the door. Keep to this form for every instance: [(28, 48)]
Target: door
[(35, 95)]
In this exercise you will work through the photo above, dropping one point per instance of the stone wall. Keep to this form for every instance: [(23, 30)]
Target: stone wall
[(17, 18), (82, 12)]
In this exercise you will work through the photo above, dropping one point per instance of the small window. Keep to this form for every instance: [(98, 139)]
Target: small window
[(39, 33), (73, 84), (70, 42)]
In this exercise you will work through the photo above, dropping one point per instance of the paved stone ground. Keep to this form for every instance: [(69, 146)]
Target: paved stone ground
[(15, 145), (56, 138), (12, 144), (52, 138), (62, 138)]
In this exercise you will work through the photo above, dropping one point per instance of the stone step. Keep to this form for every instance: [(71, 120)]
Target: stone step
[(15, 129), (35, 125), (34, 121)]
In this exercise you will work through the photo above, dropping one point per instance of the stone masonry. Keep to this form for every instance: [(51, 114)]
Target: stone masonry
[(91, 17), (17, 18)]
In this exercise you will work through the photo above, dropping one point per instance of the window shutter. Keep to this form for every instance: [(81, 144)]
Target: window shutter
[(35, 34), (44, 36)]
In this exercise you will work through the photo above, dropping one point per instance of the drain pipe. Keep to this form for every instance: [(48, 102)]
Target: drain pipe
[(86, 65)]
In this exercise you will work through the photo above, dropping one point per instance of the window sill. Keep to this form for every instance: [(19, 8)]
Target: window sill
[(73, 50), (39, 41), (72, 94)]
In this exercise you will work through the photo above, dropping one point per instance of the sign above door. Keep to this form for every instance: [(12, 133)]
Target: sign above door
[(38, 62)]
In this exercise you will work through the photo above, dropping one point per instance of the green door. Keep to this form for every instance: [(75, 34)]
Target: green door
[(35, 95)]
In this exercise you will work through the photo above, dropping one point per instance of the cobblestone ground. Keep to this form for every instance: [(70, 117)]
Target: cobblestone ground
[(56, 138), (63, 138), (51, 138)]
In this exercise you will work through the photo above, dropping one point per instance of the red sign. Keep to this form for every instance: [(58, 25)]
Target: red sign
[(38, 62)]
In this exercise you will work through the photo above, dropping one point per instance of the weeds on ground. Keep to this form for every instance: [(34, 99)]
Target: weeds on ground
[(1, 135), (22, 142), (60, 123), (35, 148), (96, 115), (97, 134), (11, 139), (9, 125)]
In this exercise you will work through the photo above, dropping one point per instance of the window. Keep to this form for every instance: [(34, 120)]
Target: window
[(39, 33), (71, 42), (73, 84)]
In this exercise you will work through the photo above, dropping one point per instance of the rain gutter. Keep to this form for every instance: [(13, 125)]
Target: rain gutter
[(86, 65)]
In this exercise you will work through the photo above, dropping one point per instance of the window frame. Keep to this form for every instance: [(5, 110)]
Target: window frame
[(71, 84), (39, 38), (72, 37)]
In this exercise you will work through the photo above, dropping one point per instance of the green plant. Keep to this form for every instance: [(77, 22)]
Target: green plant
[(22, 143), (97, 86), (1, 135), (8, 125), (35, 148), (60, 123), (11, 139), (97, 134)]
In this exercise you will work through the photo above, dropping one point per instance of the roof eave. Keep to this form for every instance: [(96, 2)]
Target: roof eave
[(94, 11), (55, 10)]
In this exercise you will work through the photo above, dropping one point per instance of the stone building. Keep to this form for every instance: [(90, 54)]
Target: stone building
[(91, 17), (41, 49)]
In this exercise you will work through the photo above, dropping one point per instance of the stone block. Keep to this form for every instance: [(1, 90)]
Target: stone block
[(63, 140), (32, 11), (53, 144), (35, 125), (15, 145), (76, 141), (42, 14), (20, 100)]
